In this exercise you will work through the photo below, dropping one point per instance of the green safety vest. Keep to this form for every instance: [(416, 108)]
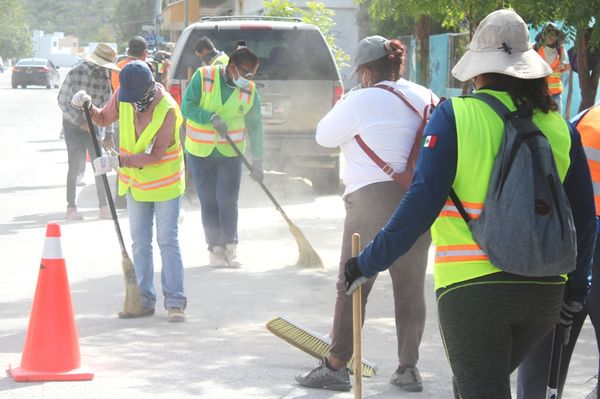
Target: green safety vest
[(202, 138), (161, 181), (479, 133)]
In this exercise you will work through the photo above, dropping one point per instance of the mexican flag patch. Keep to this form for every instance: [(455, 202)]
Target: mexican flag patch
[(429, 141)]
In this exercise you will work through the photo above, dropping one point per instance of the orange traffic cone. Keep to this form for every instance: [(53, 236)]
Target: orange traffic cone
[(51, 351)]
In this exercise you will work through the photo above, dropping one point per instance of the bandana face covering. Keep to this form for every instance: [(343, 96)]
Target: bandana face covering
[(143, 104)]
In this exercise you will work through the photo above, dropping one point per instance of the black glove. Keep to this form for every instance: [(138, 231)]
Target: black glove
[(219, 124), (353, 276), (257, 173), (568, 310)]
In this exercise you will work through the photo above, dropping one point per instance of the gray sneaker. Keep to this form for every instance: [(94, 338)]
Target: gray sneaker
[(408, 378), (326, 378)]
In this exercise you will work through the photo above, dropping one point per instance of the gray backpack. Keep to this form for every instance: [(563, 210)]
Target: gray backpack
[(526, 226)]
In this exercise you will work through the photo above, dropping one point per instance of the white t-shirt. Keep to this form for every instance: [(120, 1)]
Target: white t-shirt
[(383, 121)]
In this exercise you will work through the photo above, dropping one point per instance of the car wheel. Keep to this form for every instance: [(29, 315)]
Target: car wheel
[(23, 86), (14, 86)]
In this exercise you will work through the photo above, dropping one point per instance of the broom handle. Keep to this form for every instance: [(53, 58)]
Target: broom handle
[(111, 204), (356, 326), (250, 168)]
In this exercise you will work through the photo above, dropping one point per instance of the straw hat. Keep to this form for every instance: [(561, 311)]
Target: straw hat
[(103, 55), (501, 45)]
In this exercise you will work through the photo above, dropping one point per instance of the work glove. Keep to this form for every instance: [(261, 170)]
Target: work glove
[(105, 164), (80, 98), (257, 173), (568, 310), (353, 276), (220, 125)]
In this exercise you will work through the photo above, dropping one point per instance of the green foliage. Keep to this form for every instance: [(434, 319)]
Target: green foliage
[(15, 39), (316, 14), (128, 18)]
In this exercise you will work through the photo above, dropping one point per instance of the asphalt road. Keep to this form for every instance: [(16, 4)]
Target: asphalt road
[(223, 350)]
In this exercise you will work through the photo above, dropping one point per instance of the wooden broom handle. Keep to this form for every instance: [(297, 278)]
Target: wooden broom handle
[(356, 326)]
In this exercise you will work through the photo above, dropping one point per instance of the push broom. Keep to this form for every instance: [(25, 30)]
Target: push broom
[(133, 297), (307, 256)]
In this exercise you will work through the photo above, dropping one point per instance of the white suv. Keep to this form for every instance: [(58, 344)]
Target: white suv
[(297, 79)]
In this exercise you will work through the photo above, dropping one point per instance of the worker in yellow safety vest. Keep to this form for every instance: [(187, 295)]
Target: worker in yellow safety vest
[(222, 101), (489, 319), (549, 45), (151, 175)]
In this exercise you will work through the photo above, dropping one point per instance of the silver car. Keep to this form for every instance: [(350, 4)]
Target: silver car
[(298, 82)]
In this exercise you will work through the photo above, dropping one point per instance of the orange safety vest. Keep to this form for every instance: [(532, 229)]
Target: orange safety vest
[(114, 78), (589, 129), (554, 81)]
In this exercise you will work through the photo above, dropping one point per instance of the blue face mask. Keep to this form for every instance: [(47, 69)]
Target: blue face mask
[(241, 82)]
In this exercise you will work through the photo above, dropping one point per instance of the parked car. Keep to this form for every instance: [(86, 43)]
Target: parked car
[(297, 79), (35, 72), (1, 65)]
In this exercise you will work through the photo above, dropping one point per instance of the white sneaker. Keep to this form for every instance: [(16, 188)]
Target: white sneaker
[(216, 257), (231, 256)]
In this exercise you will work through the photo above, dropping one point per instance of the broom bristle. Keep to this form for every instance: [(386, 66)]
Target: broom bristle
[(311, 342), (133, 296), (307, 256)]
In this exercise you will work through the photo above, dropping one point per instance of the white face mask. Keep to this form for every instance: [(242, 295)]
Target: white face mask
[(241, 82)]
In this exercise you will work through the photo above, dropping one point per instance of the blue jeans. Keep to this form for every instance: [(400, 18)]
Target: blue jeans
[(217, 181), (141, 221), (78, 141)]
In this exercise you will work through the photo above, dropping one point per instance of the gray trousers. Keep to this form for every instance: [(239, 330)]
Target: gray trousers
[(367, 211)]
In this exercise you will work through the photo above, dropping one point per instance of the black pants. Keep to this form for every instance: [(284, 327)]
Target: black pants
[(78, 142), (533, 372), (490, 324)]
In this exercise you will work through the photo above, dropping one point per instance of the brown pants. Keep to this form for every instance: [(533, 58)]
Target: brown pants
[(367, 211)]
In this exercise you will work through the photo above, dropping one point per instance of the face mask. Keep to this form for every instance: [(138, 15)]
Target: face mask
[(241, 82)]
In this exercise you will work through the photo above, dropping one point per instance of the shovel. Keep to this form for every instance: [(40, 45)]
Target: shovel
[(133, 297), (307, 256)]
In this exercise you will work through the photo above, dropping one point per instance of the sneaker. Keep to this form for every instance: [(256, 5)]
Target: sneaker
[(231, 256), (408, 378), (73, 214), (326, 378), (79, 180), (105, 212), (176, 315), (593, 394), (216, 257), (145, 312)]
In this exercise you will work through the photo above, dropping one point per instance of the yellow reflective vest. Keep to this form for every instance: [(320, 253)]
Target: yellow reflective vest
[(589, 129), (202, 138), (479, 133), (161, 181)]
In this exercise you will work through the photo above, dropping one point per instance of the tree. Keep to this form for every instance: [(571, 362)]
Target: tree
[(129, 16), (15, 40), (316, 14)]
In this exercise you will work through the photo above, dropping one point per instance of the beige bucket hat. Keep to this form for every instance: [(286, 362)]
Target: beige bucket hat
[(103, 55), (501, 45)]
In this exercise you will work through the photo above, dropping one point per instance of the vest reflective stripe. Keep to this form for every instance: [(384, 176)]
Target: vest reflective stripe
[(162, 180), (459, 253), (152, 184), (589, 129), (479, 133), (472, 209), (554, 82), (208, 81), (202, 138)]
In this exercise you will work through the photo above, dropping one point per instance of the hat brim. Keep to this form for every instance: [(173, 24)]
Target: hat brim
[(523, 65), (130, 95), (100, 62)]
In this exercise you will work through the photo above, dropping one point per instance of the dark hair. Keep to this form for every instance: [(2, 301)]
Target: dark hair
[(204, 43), (388, 67), (526, 94), (240, 44), (137, 46), (243, 56)]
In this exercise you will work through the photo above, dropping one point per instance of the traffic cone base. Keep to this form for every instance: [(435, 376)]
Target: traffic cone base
[(51, 350), (21, 374)]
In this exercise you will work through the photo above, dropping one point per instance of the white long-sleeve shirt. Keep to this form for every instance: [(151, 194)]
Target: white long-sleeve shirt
[(383, 121)]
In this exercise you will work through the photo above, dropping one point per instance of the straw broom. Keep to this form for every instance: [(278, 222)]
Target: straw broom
[(133, 296), (307, 256)]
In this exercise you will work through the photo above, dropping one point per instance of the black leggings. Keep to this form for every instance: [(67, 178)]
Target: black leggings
[(489, 324)]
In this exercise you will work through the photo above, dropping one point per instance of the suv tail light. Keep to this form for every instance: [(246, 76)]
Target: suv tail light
[(338, 91), (175, 92), (45, 70), (15, 69)]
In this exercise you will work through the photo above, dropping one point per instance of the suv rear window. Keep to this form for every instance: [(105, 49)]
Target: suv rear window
[(31, 62), (284, 54)]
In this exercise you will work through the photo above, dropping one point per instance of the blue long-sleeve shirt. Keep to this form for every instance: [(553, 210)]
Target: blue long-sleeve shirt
[(432, 181)]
